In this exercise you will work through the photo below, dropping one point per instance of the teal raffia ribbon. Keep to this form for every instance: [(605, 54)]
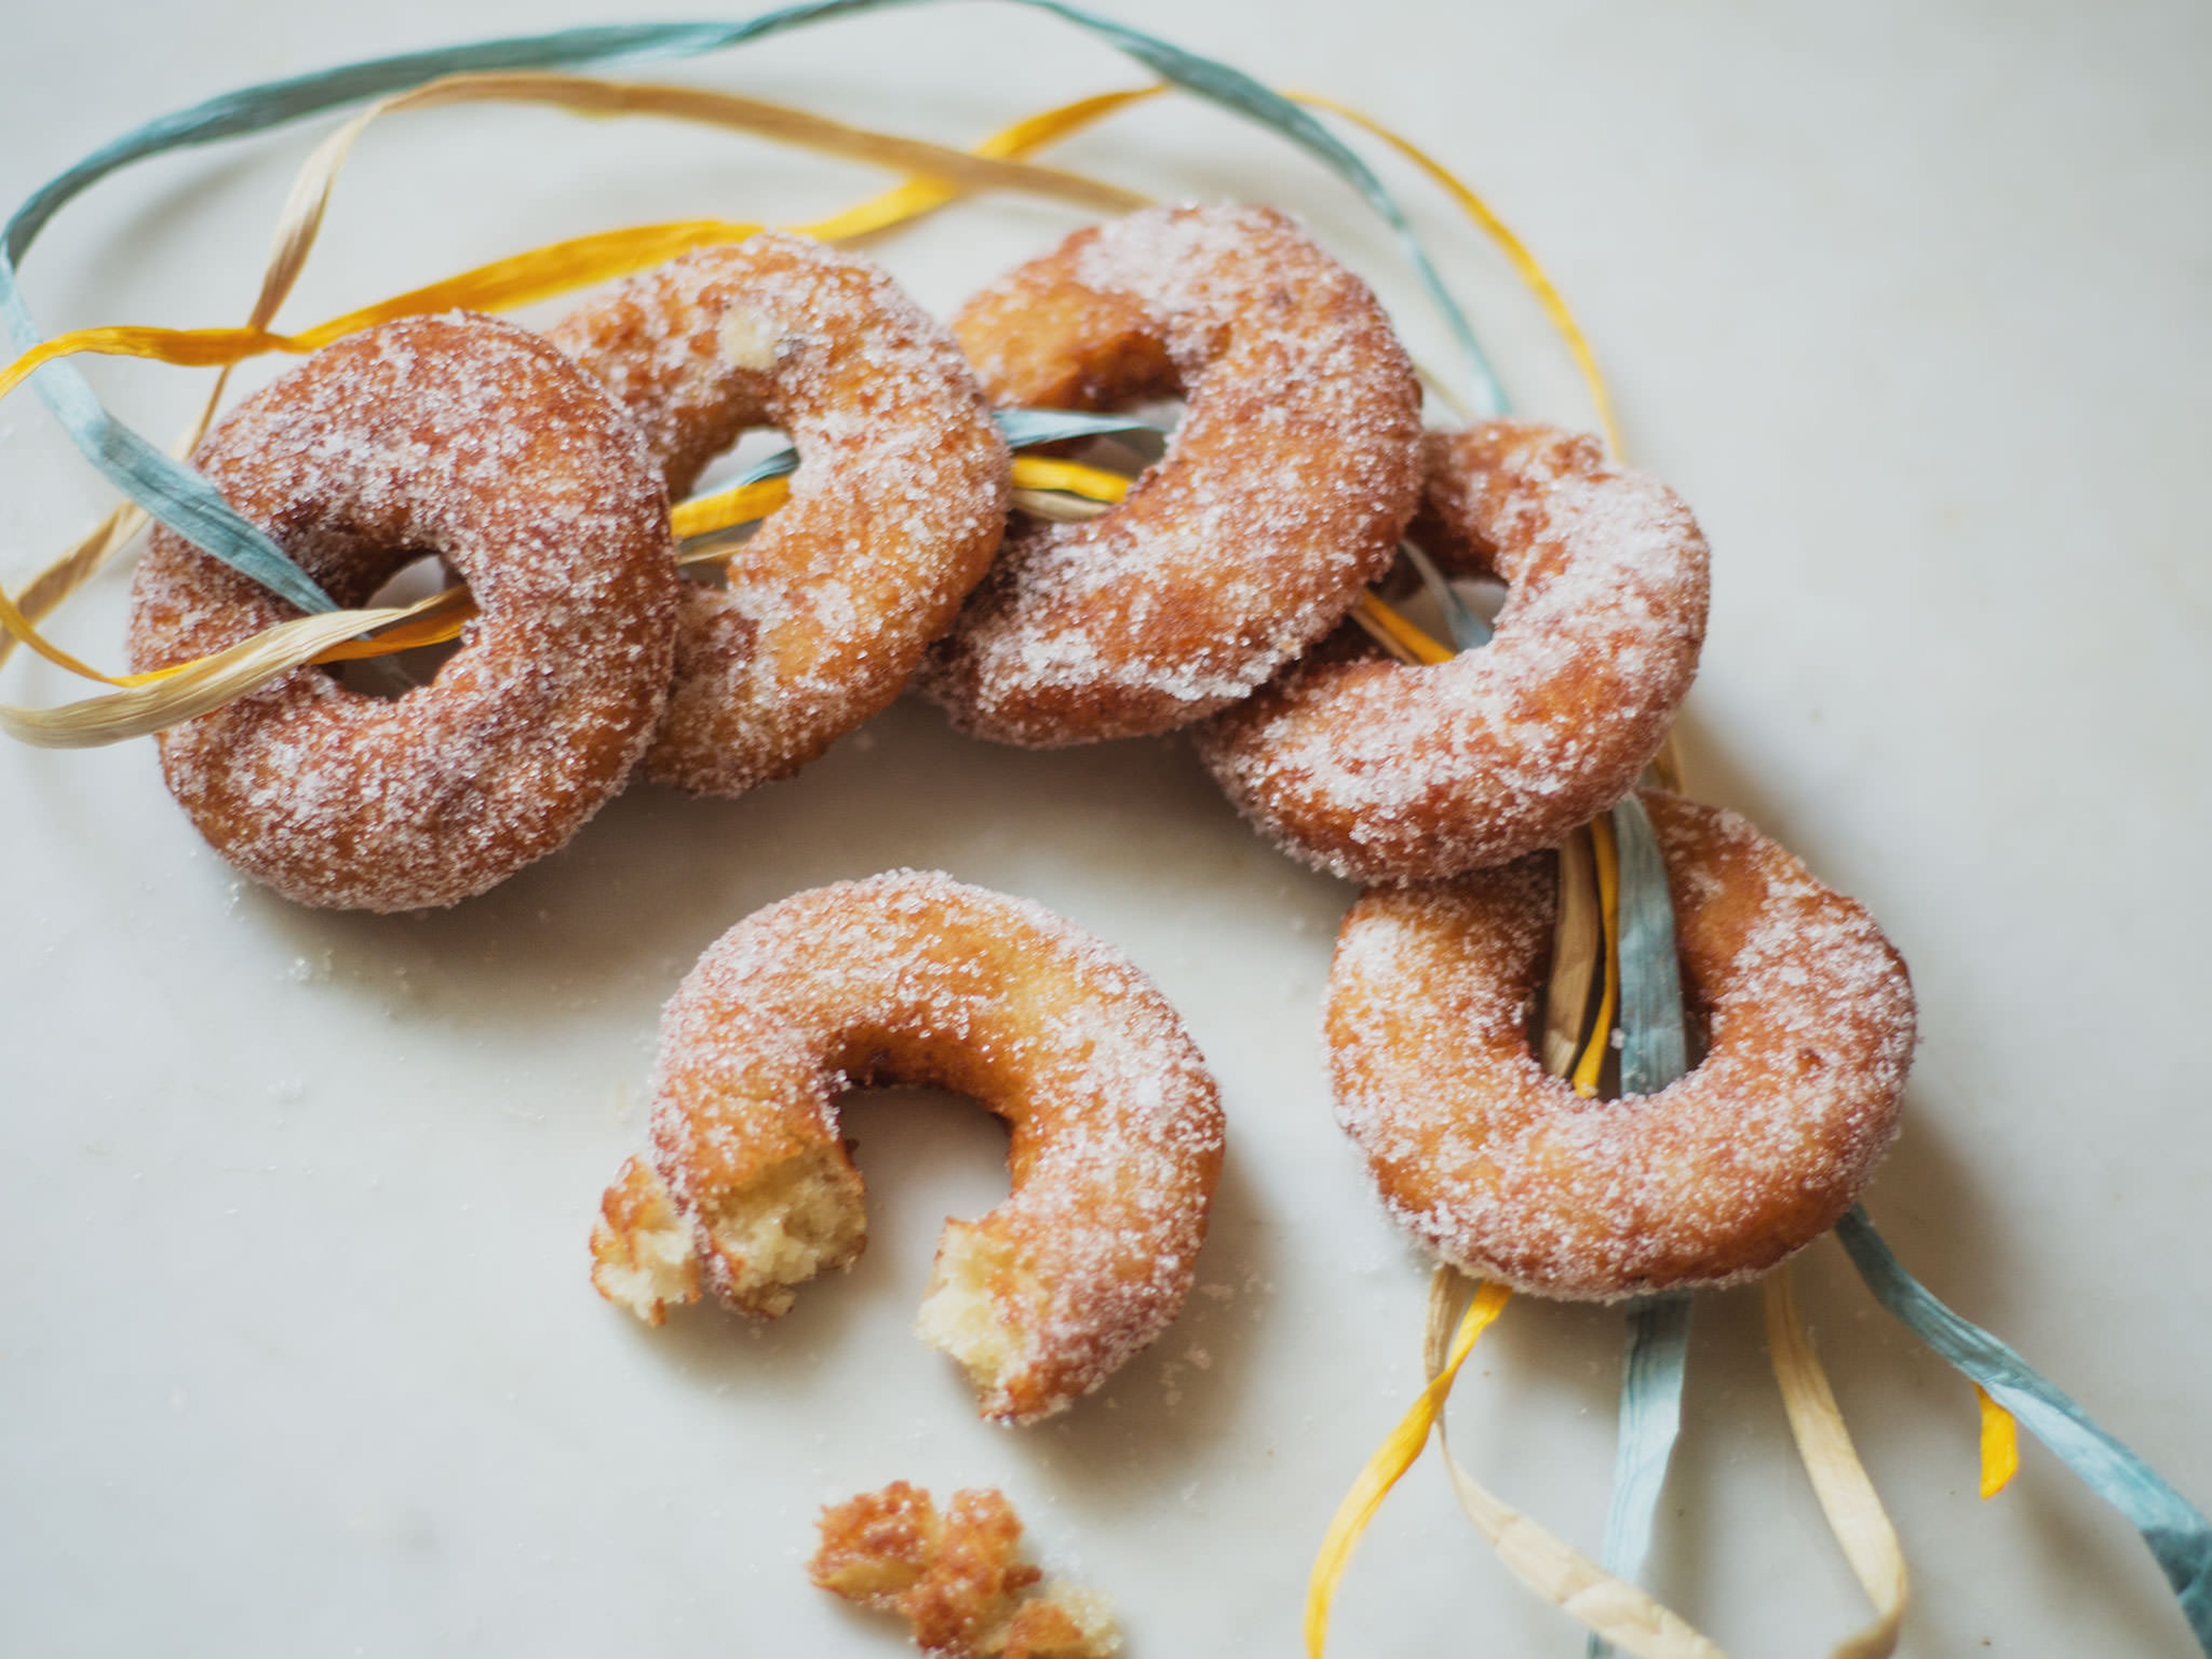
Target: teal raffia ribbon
[(2178, 1535), (177, 496), (1652, 1376), (1654, 1052)]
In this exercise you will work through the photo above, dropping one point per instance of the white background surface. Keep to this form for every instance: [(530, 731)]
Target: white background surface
[(297, 1353)]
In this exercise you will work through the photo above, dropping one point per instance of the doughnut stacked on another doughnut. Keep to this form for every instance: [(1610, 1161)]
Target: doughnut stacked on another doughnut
[(477, 440), (1380, 771), (1117, 1130), (897, 507), (1502, 1171), (1282, 493)]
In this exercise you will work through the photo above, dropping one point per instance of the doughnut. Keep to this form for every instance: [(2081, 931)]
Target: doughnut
[(957, 1578), (1378, 771), (476, 441), (912, 978), (1282, 493), (1500, 1170), (896, 510)]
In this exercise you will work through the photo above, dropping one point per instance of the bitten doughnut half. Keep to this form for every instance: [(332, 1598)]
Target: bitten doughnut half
[(1502, 1172), (895, 513), (914, 978), (1379, 771), (1281, 495), (477, 442)]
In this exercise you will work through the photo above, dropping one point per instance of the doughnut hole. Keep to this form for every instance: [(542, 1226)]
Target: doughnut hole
[(753, 445), (396, 675)]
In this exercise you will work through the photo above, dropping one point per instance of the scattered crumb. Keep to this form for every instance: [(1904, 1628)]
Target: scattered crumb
[(957, 1578)]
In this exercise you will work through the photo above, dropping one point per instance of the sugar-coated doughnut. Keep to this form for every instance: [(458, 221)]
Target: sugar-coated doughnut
[(476, 441), (1116, 1129), (896, 510), (1502, 1172), (1380, 771), (956, 1576), (1281, 494)]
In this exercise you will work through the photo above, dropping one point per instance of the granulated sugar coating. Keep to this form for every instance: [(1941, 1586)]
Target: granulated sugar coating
[(1281, 495), (1378, 771), (896, 510), (1502, 1172), (476, 441), (1116, 1129)]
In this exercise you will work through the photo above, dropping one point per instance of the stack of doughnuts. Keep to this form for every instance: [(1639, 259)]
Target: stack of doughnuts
[(1213, 597)]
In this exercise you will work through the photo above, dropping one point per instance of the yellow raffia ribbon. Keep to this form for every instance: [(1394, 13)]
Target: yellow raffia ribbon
[(2000, 1444), (1847, 1496), (1606, 857), (1578, 942), (1391, 1461), (562, 267), (1532, 274)]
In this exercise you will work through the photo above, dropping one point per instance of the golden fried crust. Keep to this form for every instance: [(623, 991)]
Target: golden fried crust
[(876, 1548), (477, 440), (1116, 1127), (1283, 492), (896, 510), (958, 1579), (1378, 771), (1497, 1166)]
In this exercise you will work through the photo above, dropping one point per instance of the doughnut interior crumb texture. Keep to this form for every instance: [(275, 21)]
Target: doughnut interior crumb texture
[(1502, 1172), (1283, 490), (1115, 1126), (475, 440), (895, 513), (975, 1284), (957, 1578), (641, 1253), (791, 1222)]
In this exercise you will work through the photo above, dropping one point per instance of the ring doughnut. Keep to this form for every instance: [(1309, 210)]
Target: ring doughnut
[(1502, 1172), (1379, 771), (477, 440), (1281, 495), (914, 978), (896, 511)]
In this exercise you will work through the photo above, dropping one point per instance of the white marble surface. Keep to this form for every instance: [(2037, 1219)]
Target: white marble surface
[(296, 1353)]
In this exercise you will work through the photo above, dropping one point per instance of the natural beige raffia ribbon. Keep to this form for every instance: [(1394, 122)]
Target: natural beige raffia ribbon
[(1839, 1480)]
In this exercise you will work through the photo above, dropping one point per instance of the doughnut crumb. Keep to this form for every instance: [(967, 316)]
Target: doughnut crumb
[(957, 1578)]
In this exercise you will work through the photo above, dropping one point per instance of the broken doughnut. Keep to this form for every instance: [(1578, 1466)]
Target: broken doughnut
[(914, 978)]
